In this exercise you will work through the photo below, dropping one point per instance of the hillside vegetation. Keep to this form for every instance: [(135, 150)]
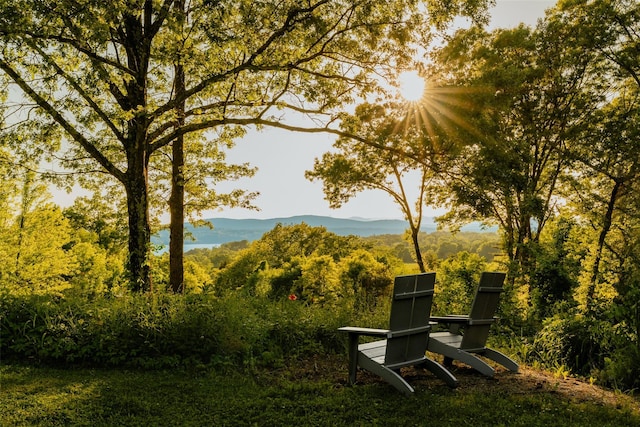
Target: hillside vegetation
[(284, 295)]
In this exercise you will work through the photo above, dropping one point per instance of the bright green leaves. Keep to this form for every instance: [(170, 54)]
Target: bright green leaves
[(105, 72), (34, 262), (312, 264)]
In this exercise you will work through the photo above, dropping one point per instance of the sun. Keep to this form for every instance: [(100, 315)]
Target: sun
[(411, 85)]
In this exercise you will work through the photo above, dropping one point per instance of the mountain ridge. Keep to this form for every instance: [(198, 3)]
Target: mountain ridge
[(232, 230)]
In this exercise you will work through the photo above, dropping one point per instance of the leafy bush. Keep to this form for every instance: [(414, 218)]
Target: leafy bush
[(370, 278), (163, 331), (622, 369), (312, 264), (580, 343), (458, 278)]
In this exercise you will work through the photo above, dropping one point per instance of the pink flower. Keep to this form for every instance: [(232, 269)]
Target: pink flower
[(292, 297)]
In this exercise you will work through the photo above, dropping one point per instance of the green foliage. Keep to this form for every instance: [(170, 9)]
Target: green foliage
[(579, 343), (438, 245), (458, 278), (369, 279), (34, 262), (317, 266), (99, 220), (319, 282), (555, 275), (215, 259), (164, 331), (44, 250), (196, 276), (95, 273), (621, 369)]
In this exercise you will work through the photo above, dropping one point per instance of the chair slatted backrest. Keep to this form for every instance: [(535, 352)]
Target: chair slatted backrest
[(483, 310), (409, 320)]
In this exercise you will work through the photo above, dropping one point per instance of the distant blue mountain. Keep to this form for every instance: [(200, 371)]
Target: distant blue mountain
[(234, 230)]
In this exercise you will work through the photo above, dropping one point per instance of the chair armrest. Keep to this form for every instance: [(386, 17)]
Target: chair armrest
[(365, 331), (354, 338), (450, 319), (461, 320)]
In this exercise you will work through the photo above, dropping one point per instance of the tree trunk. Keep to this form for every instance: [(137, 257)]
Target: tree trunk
[(606, 226), (176, 200), (138, 42), (136, 186), (416, 247), (176, 210)]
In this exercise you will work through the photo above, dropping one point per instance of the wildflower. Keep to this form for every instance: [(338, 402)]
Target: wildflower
[(292, 297)]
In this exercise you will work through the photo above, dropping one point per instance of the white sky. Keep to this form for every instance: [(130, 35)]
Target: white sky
[(282, 157)]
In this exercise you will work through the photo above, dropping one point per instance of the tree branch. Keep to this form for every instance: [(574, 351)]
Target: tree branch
[(94, 106), (247, 63), (64, 123), (259, 121)]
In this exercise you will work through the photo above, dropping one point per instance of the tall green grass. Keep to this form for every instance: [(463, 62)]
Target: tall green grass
[(168, 331)]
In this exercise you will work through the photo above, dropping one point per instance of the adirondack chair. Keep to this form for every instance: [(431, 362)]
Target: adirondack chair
[(405, 342), (466, 336)]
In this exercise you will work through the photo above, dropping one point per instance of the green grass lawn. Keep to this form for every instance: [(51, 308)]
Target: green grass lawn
[(309, 393)]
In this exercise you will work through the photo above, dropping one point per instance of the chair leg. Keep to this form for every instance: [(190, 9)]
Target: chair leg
[(353, 357), (389, 375), (475, 362), (439, 371), (450, 352), (501, 359)]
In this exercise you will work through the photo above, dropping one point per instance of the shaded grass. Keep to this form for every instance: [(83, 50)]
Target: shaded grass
[(305, 393)]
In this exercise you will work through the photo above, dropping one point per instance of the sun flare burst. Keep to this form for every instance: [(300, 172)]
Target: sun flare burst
[(411, 85), (440, 111)]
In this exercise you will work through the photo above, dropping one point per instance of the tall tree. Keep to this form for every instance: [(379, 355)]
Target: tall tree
[(103, 72), (609, 29), (390, 151), (521, 96), (176, 200), (608, 180)]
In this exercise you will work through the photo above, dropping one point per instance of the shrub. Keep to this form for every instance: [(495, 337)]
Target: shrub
[(622, 369), (580, 343), (458, 277), (164, 330)]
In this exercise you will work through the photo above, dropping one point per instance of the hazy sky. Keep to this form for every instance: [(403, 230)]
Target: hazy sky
[(282, 157)]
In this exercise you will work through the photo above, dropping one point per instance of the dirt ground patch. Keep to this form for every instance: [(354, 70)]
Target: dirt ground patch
[(526, 381)]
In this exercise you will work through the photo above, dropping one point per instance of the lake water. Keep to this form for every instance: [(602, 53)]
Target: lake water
[(190, 246)]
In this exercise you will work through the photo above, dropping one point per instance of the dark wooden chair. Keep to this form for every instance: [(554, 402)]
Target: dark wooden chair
[(405, 342), (466, 336)]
